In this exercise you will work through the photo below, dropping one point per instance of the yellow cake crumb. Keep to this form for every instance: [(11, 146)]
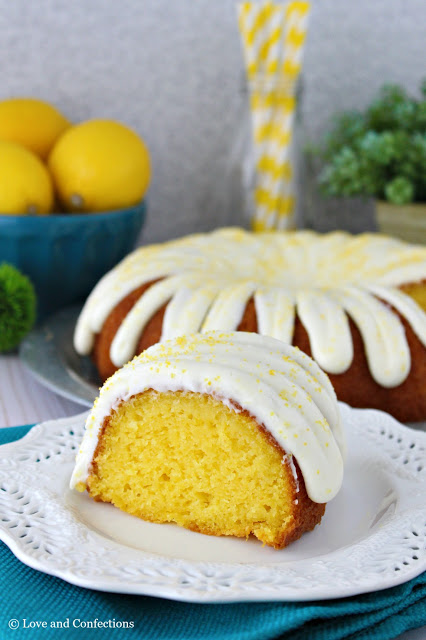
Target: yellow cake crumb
[(189, 459)]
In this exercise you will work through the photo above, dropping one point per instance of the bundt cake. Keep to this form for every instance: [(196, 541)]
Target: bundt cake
[(221, 433), (356, 304)]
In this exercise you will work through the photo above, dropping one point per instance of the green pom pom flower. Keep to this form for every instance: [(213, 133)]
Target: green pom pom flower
[(17, 306)]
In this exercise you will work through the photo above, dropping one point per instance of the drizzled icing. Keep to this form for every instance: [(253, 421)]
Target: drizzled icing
[(281, 387), (207, 280)]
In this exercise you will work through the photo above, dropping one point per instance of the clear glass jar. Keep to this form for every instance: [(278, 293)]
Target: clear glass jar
[(242, 177)]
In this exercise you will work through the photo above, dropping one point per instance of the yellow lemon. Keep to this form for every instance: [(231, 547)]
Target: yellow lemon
[(33, 123), (99, 165), (25, 183)]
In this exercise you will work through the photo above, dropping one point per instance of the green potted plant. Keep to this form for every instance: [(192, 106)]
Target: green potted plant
[(381, 153)]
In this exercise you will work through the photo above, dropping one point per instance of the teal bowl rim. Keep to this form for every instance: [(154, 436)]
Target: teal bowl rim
[(70, 218)]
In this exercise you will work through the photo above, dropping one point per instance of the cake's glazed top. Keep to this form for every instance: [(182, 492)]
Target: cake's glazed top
[(209, 278), (281, 387)]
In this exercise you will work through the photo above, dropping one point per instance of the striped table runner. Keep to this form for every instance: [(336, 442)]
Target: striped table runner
[(23, 400)]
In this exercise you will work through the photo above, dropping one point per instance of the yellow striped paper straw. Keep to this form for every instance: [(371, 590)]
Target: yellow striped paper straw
[(261, 28), (273, 37), (275, 193), (275, 98), (254, 19), (294, 39), (262, 51)]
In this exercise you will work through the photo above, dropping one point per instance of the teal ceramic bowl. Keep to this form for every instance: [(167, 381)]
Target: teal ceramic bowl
[(64, 255)]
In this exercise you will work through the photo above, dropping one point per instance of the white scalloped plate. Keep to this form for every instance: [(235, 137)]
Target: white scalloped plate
[(371, 537)]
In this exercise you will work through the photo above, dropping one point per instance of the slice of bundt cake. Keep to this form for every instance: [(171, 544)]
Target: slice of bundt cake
[(221, 433)]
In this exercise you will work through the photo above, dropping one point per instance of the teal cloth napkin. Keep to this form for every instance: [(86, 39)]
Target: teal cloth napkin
[(26, 594)]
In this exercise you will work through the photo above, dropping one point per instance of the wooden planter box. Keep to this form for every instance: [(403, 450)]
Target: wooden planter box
[(407, 222)]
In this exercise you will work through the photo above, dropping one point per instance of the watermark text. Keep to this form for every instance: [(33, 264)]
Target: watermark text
[(68, 623)]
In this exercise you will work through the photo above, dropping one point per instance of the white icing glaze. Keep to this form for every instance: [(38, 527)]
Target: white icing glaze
[(281, 387), (228, 308), (384, 338), (328, 329), (123, 346), (275, 313), (406, 307), (186, 311), (209, 278)]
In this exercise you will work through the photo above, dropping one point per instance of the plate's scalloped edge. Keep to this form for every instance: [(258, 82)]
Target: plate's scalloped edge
[(79, 553), (40, 429), (189, 594)]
